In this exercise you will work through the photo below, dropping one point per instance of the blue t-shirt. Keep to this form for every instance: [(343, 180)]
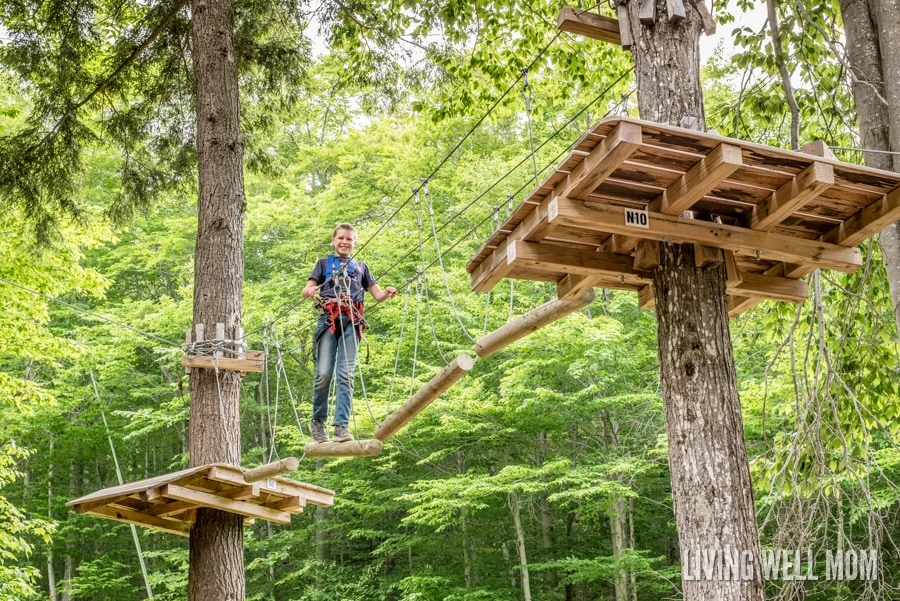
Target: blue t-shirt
[(361, 280)]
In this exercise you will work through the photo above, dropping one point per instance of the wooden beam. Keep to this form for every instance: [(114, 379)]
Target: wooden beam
[(592, 25), (206, 499), (602, 161), (741, 304), (171, 508), (255, 362), (706, 256), (675, 9), (733, 275), (648, 12), (494, 267), (646, 255), (530, 322), (233, 475), (611, 219), (579, 261), (353, 448), (573, 287), (709, 25), (647, 297), (142, 519), (715, 167), (241, 493), (785, 289), (289, 504), (282, 466), (803, 188), (867, 222), (626, 39), (818, 148), (428, 393)]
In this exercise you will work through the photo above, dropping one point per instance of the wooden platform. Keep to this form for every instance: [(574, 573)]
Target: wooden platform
[(169, 502), (771, 215)]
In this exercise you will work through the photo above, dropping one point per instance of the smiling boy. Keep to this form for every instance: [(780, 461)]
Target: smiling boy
[(341, 282)]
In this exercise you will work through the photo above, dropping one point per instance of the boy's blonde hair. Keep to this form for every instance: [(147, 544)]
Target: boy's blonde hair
[(344, 226)]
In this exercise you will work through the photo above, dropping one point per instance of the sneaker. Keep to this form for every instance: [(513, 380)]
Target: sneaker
[(317, 429), (342, 434)]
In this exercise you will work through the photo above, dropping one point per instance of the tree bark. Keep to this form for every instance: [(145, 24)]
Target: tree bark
[(617, 526), (216, 570), (51, 574), (711, 487), (872, 31), (520, 545)]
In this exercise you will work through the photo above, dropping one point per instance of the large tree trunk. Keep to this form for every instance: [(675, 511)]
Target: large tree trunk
[(873, 45), (216, 570), (711, 487), (617, 526)]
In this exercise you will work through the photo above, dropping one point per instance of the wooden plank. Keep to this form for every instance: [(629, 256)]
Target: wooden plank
[(89, 506), (707, 256), (741, 304), (572, 286), (775, 247), (867, 222), (494, 268), (733, 275), (724, 160), (171, 508), (530, 322), (577, 261), (647, 297), (785, 289), (290, 504), (142, 519), (648, 12), (592, 25), (255, 362), (354, 448), (435, 387), (818, 148), (205, 499), (709, 25), (241, 493), (625, 37), (646, 255), (605, 158), (805, 187), (229, 474), (675, 9)]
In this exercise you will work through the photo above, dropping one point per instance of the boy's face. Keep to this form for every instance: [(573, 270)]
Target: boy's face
[(343, 242)]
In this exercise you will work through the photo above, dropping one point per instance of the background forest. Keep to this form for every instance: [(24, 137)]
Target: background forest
[(542, 474)]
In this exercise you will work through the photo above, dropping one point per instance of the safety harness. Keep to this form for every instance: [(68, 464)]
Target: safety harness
[(342, 311)]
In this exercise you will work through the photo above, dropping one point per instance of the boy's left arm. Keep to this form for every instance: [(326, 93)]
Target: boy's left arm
[(380, 294)]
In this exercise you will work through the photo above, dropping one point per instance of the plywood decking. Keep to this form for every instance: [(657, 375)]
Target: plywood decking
[(169, 502), (771, 215)]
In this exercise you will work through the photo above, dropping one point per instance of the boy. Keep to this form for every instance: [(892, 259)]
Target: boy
[(341, 282)]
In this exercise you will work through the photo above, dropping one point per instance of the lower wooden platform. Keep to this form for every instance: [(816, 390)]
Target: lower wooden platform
[(352, 448), (169, 502)]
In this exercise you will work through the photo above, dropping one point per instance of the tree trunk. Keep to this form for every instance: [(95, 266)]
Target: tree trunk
[(617, 526), (711, 487), (520, 545), (51, 574), (872, 32), (548, 536), (216, 570), (468, 570)]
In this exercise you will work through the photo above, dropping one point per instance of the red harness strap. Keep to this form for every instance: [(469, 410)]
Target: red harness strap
[(354, 310)]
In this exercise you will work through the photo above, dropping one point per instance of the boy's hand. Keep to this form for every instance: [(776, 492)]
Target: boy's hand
[(390, 292), (309, 291)]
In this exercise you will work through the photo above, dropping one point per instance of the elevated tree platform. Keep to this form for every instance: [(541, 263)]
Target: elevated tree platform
[(169, 502), (771, 215)]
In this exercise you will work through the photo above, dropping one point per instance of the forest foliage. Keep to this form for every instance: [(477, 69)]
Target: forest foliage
[(549, 448)]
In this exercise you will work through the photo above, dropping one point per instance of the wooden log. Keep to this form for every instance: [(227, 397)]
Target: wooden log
[(282, 466), (417, 402), (528, 323), (625, 37), (353, 448)]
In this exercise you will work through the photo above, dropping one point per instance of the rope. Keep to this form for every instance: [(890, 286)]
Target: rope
[(437, 248), (91, 313), (526, 94)]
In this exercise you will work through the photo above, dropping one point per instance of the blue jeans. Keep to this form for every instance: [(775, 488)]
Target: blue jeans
[(334, 350)]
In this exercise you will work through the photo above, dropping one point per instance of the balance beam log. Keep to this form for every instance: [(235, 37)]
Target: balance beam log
[(283, 466), (416, 403), (354, 448), (529, 323)]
